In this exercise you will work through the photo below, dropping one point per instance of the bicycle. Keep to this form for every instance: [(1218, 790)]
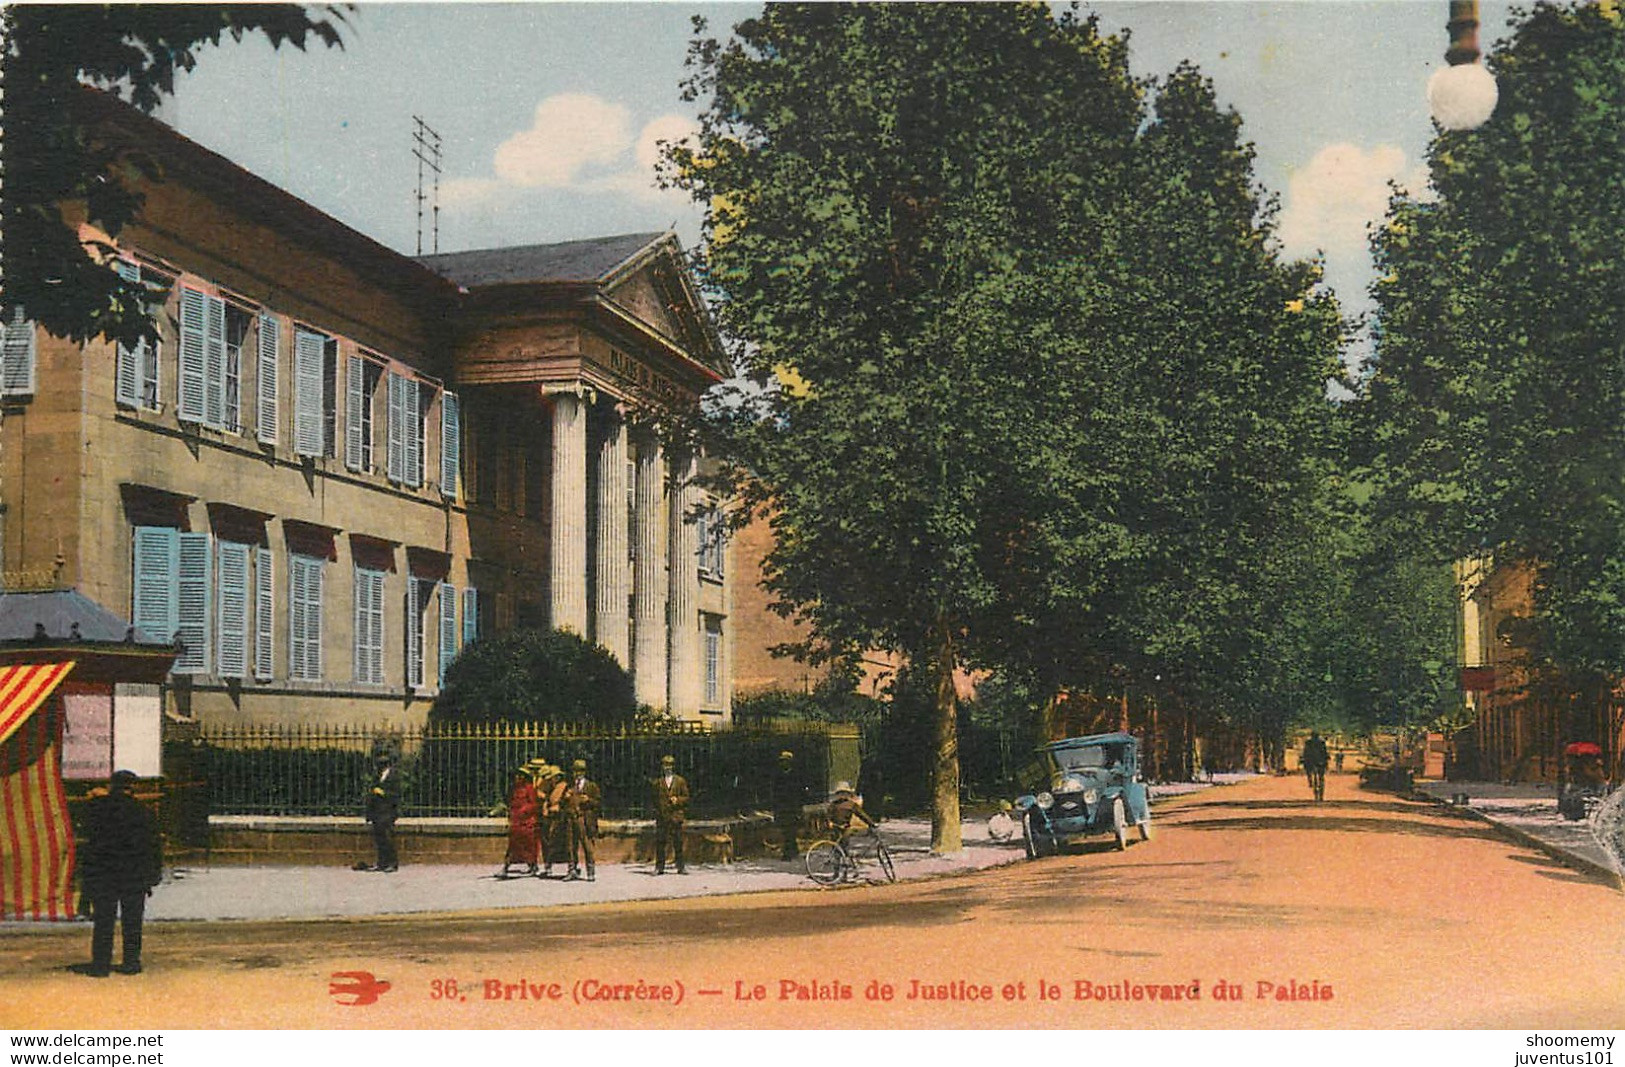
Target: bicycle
[(832, 862)]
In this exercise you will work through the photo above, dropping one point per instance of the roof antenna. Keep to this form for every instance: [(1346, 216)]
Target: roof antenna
[(426, 148)]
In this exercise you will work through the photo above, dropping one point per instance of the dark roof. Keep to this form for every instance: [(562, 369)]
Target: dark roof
[(22, 614), (588, 261)]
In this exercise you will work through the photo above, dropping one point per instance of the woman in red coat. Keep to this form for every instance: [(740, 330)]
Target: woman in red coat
[(522, 812)]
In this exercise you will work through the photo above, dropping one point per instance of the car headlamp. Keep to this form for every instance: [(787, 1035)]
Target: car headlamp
[(1090, 796), (1046, 801)]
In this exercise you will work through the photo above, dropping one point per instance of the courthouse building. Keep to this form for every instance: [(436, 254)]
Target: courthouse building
[(340, 464)]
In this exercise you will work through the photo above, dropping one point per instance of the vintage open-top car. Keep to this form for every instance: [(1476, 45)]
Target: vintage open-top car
[(1093, 786)]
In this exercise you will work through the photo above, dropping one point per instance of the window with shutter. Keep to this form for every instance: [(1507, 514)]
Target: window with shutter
[(193, 585), (304, 618), (713, 661), (395, 463), (369, 626), (448, 629), (309, 355), (414, 632), (238, 323), (136, 369), (17, 376), (153, 608), (405, 431), (451, 443), (214, 363), (265, 416), (231, 620), (263, 608)]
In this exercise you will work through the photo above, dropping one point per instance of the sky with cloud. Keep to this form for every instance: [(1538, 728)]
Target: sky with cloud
[(551, 114)]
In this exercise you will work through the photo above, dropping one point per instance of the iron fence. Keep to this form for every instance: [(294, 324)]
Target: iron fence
[(464, 770)]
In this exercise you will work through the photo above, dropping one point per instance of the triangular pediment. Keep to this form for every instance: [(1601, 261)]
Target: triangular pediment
[(654, 288)]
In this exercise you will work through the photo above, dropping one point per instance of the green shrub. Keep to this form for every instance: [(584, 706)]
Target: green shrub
[(530, 675)]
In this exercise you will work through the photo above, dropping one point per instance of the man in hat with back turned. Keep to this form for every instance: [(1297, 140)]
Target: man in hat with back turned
[(120, 861), (671, 811), (383, 808), (788, 798)]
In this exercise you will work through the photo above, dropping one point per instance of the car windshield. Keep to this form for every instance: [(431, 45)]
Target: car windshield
[(1089, 759)]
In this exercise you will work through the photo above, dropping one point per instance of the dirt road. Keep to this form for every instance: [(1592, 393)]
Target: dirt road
[(1252, 908)]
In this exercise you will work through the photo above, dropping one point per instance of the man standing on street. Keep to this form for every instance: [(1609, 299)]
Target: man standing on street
[(383, 808), (581, 803), (788, 799), (121, 860), (671, 809), (1314, 761)]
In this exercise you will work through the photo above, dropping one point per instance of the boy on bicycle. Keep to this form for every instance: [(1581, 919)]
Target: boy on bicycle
[(843, 806)]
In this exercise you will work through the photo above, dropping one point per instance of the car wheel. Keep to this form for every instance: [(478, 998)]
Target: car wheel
[(1119, 824), (1145, 827)]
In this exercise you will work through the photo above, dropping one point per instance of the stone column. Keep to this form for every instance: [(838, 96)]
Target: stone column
[(613, 577), (567, 576), (649, 579), (687, 654)]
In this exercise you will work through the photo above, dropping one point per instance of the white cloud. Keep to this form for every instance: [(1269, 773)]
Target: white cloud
[(469, 192), (1330, 201), (571, 133), (669, 128)]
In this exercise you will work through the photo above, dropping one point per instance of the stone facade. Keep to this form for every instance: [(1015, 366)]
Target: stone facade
[(342, 464)]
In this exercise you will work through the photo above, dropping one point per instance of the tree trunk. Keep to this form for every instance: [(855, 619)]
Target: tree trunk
[(945, 830)]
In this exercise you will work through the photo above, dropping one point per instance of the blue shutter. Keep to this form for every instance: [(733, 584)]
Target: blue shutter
[(263, 607), (127, 368), (308, 357), (190, 402), (414, 633), (448, 628), (231, 624), (17, 376), (369, 626), (152, 594), (414, 432), (354, 397), (471, 615), (451, 443), (192, 589), (265, 419), (305, 618)]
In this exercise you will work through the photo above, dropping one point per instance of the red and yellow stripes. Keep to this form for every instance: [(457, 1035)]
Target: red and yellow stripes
[(36, 837)]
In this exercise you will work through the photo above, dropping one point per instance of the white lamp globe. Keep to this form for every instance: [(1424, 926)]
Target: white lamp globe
[(1462, 97)]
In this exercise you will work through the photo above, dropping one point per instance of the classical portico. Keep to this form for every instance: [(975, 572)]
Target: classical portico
[(609, 336)]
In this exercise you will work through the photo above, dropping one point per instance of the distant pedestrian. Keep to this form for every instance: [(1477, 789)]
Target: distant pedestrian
[(1314, 764), (522, 839), (550, 789), (581, 803), (670, 802), (120, 861), (383, 808), (788, 797)]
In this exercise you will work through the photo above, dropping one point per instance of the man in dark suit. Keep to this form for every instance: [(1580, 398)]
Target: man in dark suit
[(788, 798), (120, 861), (581, 803), (671, 809), (383, 808)]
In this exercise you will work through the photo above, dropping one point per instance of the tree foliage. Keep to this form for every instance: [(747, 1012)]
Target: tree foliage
[(1492, 415), (59, 173), (534, 675)]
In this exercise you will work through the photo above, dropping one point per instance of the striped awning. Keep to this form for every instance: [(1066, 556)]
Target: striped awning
[(23, 688)]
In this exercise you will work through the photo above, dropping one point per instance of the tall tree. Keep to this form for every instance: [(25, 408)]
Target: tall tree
[(58, 173), (1493, 410), (888, 187)]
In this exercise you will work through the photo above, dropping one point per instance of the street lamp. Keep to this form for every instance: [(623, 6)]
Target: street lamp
[(1462, 95)]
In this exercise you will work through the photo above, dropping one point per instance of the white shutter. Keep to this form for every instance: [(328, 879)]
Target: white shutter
[(451, 443), (127, 367), (354, 397), (192, 599), (265, 419), (305, 618), (308, 357), (190, 402), (17, 376), (397, 428), (369, 626), (214, 362), (231, 622), (414, 432), (414, 633), (263, 607)]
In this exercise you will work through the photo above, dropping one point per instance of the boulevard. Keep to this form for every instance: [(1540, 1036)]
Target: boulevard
[(1252, 907)]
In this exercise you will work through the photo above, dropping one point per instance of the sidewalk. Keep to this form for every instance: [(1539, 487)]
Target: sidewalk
[(1528, 812)]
